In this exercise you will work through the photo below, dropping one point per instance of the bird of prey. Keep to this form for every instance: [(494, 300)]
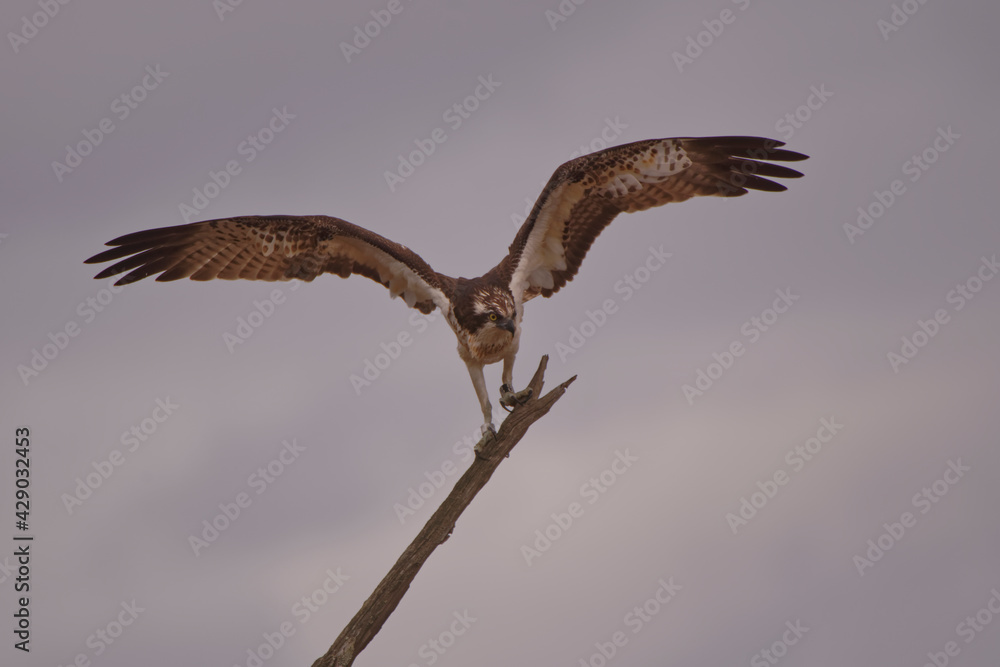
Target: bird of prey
[(580, 199)]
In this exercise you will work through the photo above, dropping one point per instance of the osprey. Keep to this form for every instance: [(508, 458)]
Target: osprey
[(583, 196)]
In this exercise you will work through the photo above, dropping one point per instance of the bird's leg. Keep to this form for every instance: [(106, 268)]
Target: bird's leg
[(479, 382), (508, 397)]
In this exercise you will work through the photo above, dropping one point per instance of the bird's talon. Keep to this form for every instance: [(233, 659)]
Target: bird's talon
[(489, 435), (509, 399)]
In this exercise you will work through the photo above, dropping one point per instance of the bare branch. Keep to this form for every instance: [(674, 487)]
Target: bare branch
[(383, 601)]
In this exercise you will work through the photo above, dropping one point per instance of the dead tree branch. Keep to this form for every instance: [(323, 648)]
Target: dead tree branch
[(383, 601)]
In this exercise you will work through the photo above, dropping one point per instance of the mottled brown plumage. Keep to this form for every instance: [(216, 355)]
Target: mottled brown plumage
[(583, 196), (272, 247)]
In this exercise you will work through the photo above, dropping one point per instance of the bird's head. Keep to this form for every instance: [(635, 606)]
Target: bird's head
[(493, 312)]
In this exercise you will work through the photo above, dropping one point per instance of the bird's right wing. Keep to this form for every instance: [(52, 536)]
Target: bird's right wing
[(276, 247)]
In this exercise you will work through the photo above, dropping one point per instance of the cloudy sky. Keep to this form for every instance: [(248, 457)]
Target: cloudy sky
[(826, 496)]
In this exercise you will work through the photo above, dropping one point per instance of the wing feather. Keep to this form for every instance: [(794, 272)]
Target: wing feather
[(585, 194), (277, 247)]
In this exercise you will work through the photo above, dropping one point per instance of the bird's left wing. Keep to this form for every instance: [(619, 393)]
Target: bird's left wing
[(585, 194), (276, 247)]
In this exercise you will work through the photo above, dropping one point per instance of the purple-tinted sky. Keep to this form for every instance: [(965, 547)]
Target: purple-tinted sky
[(864, 414)]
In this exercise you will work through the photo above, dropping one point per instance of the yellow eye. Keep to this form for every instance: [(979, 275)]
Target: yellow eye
[(493, 317)]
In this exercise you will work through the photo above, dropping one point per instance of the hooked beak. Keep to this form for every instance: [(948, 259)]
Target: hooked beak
[(506, 324)]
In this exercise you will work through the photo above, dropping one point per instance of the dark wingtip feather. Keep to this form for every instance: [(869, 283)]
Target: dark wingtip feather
[(755, 148), (763, 168), (107, 273), (758, 183), (126, 280), (786, 156), (108, 255), (156, 236), (101, 257), (136, 242), (744, 163), (139, 251)]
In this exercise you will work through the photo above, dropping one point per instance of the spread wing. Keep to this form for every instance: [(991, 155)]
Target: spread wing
[(276, 247), (585, 194)]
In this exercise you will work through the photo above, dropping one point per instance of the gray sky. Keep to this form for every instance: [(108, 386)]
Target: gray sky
[(900, 123)]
